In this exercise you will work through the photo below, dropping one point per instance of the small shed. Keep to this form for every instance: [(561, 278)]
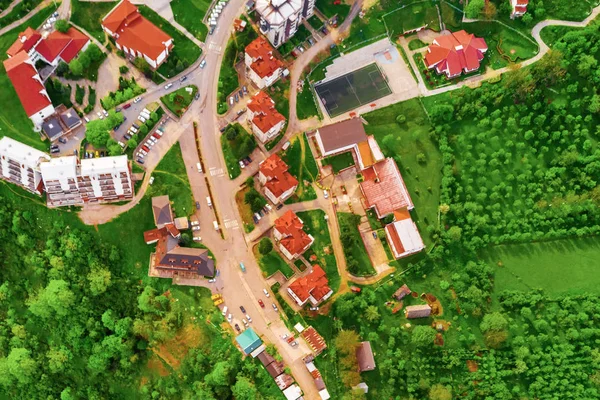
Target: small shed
[(182, 223), (420, 311), (402, 292)]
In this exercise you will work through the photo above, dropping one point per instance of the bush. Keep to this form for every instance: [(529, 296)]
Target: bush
[(254, 200), (231, 133), (79, 94), (62, 25), (400, 119), (265, 246), (123, 69)]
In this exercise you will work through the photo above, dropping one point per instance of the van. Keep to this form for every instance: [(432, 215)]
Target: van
[(208, 201), (216, 225), (224, 312), (199, 166)]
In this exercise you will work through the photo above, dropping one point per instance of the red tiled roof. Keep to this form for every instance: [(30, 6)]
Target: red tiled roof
[(522, 2), (26, 40), (384, 188), (265, 114), (455, 52), (30, 90), (136, 32), (315, 284), (295, 240), (279, 180), (316, 342), (264, 63), (66, 45), (173, 231), (154, 235)]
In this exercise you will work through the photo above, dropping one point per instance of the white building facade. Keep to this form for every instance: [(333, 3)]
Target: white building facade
[(280, 19), (20, 164)]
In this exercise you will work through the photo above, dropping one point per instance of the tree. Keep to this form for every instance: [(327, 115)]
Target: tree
[(422, 336), (494, 327), (93, 52), (454, 233), (265, 246), (231, 133), (56, 297), (132, 143), (20, 365), (587, 64), (372, 314), (244, 389), (62, 25), (474, 8), (440, 392), (96, 133), (75, 67), (489, 10), (99, 279), (442, 113)]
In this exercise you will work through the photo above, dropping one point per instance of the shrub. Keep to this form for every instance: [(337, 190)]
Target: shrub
[(123, 69), (265, 246), (400, 119)]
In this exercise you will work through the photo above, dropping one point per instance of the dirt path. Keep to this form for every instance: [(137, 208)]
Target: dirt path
[(31, 13), (9, 8)]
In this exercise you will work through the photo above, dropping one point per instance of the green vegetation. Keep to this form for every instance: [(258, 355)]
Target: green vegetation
[(298, 39), (315, 22), (416, 44), (228, 78), (551, 34), (79, 94), (306, 106), (357, 258), (178, 101), (413, 16), (88, 15), (270, 261), (329, 8), (85, 66), (303, 166), (244, 208), (339, 162), (254, 199), (316, 225), (59, 93), (19, 11), (405, 142), (280, 93), (128, 89), (190, 13), (170, 177), (13, 120), (91, 99), (184, 53), (97, 133), (236, 143)]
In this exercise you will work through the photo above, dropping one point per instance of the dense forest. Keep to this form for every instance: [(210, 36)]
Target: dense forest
[(75, 325)]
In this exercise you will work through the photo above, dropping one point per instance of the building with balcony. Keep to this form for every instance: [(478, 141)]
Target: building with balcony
[(280, 19), (262, 67), (277, 182), (60, 176), (266, 122), (20, 164), (292, 239), (105, 179)]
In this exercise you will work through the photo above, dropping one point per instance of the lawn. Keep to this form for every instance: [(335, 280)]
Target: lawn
[(279, 92), (357, 258), (316, 225), (412, 17), (244, 209), (190, 13), (13, 120), (416, 44), (272, 262), (339, 162), (184, 53), (178, 101), (18, 12), (299, 38), (88, 15), (330, 9), (404, 142), (559, 267), (315, 22), (306, 106), (236, 149), (303, 166)]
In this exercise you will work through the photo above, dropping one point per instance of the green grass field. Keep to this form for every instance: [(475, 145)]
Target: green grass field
[(88, 15), (315, 225), (303, 166), (13, 119), (559, 267), (280, 92), (181, 101), (306, 106), (190, 13), (235, 150), (329, 9), (416, 44), (339, 162), (315, 22), (272, 262), (357, 252), (404, 142), (19, 11), (412, 17)]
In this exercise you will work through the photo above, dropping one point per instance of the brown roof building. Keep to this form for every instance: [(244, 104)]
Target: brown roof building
[(276, 368), (283, 381), (384, 189), (402, 292), (340, 137), (365, 358), (265, 358), (314, 340), (266, 122), (161, 209), (420, 311)]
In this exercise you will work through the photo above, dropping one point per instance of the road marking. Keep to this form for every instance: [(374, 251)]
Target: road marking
[(214, 46), (216, 171), (231, 224)]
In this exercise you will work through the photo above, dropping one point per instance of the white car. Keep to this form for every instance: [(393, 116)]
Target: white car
[(325, 194), (266, 292), (168, 85), (203, 64), (137, 100), (197, 239), (248, 317), (212, 280), (229, 317), (242, 165), (284, 336), (195, 228), (245, 323), (151, 181), (149, 143), (100, 115), (105, 112)]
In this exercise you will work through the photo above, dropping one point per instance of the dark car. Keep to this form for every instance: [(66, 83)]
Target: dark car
[(243, 309), (237, 328), (140, 161), (117, 127), (237, 98), (261, 213), (126, 106), (183, 78), (212, 30), (248, 159), (255, 219), (197, 205), (241, 93), (311, 41), (324, 30), (197, 96), (54, 151), (117, 109), (136, 126), (62, 140), (54, 146), (75, 152), (102, 154), (127, 136), (279, 206), (223, 129)]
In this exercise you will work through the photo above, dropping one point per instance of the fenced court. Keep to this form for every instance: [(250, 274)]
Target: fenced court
[(353, 90)]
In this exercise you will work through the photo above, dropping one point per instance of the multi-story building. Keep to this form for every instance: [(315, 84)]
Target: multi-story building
[(280, 19), (105, 179), (455, 53), (136, 36), (278, 183), (60, 176), (20, 164), (313, 287), (262, 67), (266, 122), (292, 239)]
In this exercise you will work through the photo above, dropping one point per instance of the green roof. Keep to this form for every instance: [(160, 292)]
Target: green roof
[(248, 340)]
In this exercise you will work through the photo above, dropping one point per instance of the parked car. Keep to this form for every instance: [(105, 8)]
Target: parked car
[(256, 220), (245, 89), (237, 98), (284, 336), (261, 213), (245, 322), (301, 49), (168, 86), (126, 106), (117, 109), (86, 119), (260, 302), (140, 161), (183, 78), (243, 309), (325, 194), (229, 317), (137, 100), (314, 309), (196, 96), (244, 161), (62, 140), (213, 280), (127, 136), (203, 64), (257, 216), (195, 228), (100, 115), (279, 206), (248, 159), (54, 146), (242, 165), (105, 112), (197, 205), (136, 126), (242, 267), (311, 41), (156, 135), (266, 292), (151, 181), (324, 30), (237, 328), (248, 317), (54, 151), (212, 30), (294, 343), (241, 93), (275, 307)]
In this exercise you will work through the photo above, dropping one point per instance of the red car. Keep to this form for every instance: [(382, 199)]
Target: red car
[(261, 303), (156, 135), (146, 149), (126, 106)]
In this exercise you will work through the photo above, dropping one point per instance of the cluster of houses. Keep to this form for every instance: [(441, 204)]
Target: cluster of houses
[(29, 48), (410, 312), (170, 260), (382, 187), (65, 180)]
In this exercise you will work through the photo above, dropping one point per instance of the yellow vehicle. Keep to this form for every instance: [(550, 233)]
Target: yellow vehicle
[(219, 301), (215, 296)]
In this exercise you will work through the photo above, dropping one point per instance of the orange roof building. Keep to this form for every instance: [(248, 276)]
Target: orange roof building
[(137, 36), (313, 287), (454, 53), (293, 241), (62, 46), (265, 120), (26, 41), (519, 8), (263, 68), (278, 183), (29, 87)]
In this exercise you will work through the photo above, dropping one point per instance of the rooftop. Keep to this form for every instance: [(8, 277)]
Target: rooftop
[(420, 311), (456, 52), (266, 115), (52, 128), (279, 180), (294, 238), (66, 45), (104, 165), (70, 118), (59, 168), (384, 188), (341, 135), (25, 41), (276, 12), (314, 340), (315, 283), (161, 209), (404, 237), (264, 62), (365, 358), (21, 153), (248, 340), (27, 83)]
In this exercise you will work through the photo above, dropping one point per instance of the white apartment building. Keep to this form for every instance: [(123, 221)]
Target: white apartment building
[(19, 164), (60, 180), (105, 179), (280, 19)]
